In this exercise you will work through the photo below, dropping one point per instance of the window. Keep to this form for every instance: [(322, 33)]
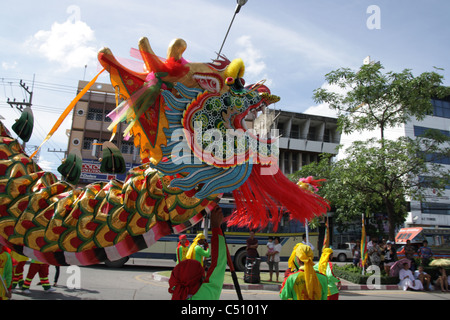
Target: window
[(437, 158), (295, 131), (127, 147), (420, 131), (87, 143), (312, 133), (95, 114), (441, 108), (435, 208), (327, 136), (280, 127), (427, 182)]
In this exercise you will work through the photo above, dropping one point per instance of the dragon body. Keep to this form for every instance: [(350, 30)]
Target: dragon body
[(188, 121)]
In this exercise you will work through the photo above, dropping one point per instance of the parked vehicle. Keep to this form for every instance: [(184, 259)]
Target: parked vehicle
[(343, 252), (438, 240)]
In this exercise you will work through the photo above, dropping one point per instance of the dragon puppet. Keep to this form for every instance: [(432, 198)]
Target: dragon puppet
[(188, 120)]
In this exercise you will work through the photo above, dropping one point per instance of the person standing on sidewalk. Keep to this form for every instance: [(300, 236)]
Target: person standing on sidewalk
[(275, 259), (425, 253), (252, 245)]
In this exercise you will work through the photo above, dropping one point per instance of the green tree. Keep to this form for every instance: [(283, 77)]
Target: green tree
[(382, 172)]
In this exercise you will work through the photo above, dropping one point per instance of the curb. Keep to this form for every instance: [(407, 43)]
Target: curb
[(277, 287)]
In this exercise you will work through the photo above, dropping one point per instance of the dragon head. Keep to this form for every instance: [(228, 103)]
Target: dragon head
[(189, 118)]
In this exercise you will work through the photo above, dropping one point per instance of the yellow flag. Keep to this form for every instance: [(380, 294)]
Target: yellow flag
[(69, 108)]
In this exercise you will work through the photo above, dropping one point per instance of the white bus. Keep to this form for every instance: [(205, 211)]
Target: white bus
[(290, 232)]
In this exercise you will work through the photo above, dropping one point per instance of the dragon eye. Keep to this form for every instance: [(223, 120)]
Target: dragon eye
[(229, 81), (242, 81)]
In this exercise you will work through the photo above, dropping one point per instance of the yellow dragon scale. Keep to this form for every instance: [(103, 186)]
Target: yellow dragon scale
[(56, 223)]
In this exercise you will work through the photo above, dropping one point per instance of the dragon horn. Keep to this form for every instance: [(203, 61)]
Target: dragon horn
[(176, 49), (151, 60)]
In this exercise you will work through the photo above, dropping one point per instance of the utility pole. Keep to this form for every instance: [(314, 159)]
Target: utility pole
[(58, 151), (20, 105)]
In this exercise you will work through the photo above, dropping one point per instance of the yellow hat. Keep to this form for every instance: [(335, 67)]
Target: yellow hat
[(305, 254), (191, 252), (324, 258)]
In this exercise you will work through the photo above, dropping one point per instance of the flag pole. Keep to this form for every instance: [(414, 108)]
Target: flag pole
[(363, 244), (306, 231)]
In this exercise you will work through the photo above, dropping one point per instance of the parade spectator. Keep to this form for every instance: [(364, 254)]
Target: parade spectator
[(425, 253), (356, 252), (307, 242), (270, 251), (423, 277), (252, 246), (407, 279), (390, 256), (409, 254), (442, 280), (374, 253), (275, 259)]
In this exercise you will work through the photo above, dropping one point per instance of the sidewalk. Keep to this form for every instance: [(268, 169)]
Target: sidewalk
[(273, 286)]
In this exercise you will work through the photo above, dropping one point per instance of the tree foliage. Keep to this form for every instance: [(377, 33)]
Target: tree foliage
[(379, 175)]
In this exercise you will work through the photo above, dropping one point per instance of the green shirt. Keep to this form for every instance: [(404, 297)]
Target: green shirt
[(211, 288), (332, 279), (288, 290), (200, 253)]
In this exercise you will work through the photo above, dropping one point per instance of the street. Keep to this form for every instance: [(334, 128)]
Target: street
[(134, 282)]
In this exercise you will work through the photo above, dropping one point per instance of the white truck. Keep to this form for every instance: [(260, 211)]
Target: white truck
[(343, 252)]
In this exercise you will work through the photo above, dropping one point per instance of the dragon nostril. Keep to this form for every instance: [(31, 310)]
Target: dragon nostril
[(239, 84)]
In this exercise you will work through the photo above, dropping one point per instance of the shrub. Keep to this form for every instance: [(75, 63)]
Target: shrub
[(354, 274)]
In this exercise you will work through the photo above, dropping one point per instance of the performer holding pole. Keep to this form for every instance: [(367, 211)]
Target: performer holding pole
[(188, 281)]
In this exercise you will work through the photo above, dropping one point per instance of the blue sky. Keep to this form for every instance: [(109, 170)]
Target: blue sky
[(290, 43)]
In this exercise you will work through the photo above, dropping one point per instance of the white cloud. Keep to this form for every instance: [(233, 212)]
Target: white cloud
[(324, 109), (46, 165), (255, 66), (69, 43), (9, 65)]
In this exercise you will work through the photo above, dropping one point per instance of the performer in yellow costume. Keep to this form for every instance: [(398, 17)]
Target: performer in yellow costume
[(196, 251), (5, 273), (326, 267), (304, 283)]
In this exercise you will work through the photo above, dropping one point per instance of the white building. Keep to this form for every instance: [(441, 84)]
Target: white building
[(435, 211), (303, 137)]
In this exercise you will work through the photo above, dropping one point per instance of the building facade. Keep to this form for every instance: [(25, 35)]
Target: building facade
[(303, 137), (434, 211), (90, 126)]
